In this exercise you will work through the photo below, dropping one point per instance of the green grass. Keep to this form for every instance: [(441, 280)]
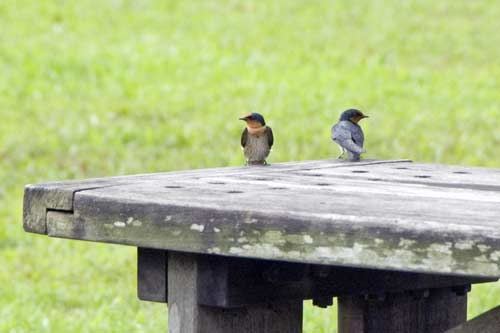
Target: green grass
[(100, 88)]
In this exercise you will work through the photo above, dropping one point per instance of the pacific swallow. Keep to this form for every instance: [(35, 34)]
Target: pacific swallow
[(256, 139), (349, 135)]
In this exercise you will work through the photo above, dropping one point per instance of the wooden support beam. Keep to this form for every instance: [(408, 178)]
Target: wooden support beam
[(234, 282), (187, 316), (432, 311), (488, 322), (152, 275)]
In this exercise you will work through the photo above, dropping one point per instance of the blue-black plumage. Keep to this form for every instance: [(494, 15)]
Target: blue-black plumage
[(256, 139), (349, 135)]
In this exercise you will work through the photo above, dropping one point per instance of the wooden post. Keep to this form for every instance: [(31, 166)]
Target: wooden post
[(432, 311), (187, 316), (152, 275)]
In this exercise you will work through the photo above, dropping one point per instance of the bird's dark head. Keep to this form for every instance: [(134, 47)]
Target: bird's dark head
[(254, 118), (352, 115)]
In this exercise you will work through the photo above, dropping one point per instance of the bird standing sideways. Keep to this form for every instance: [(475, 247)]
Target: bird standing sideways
[(349, 135), (256, 139)]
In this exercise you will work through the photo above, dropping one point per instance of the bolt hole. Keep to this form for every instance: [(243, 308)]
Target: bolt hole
[(313, 174), (461, 172), (217, 183), (359, 171), (173, 186), (232, 192), (422, 176), (375, 179), (261, 179), (278, 188), (323, 184), (401, 168)]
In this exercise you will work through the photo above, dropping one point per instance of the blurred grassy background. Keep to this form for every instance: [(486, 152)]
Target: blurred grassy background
[(100, 88)]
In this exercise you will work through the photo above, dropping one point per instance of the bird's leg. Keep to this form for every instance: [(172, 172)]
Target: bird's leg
[(352, 157), (342, 152)]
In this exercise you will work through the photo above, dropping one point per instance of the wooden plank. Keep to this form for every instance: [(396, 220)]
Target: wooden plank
[(58, 196), (152, 275), (187, 316), (488, 322), (433, 312), (444, 308), (279, 213), (40, 198), (343, 196), (37, 199), (234, 282), (417, 173), (402, 239)]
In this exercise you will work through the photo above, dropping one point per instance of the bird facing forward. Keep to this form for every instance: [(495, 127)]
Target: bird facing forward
[(256, 139), (349, 135)]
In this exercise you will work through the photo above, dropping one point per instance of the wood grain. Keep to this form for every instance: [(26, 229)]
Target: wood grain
[(152, 275), (234, 282), (438, 311), (392, 215), (59, 195), (187, 316)]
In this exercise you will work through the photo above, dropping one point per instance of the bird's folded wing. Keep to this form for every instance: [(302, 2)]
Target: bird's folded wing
[(270, 137), (344, 138), (244, 137), (350, 145)]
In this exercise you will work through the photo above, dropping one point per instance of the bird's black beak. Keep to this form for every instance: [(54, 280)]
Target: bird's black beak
[(364, 116), (243, 119)]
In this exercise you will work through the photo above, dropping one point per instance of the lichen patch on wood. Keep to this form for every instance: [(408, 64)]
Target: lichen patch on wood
[(198, 227)]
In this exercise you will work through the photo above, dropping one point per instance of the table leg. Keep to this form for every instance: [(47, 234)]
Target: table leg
[(430, 311), (152, 275), (187, 316)]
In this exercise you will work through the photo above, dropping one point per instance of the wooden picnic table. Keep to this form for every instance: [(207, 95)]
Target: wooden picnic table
[(238, 249)]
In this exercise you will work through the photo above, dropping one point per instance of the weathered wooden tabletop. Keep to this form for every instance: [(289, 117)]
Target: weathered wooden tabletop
[(392, 215)]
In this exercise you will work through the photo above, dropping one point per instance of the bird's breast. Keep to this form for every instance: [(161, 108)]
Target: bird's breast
[(257, 147)]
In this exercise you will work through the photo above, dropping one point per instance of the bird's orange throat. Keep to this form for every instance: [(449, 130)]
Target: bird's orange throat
[(256, 130)]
